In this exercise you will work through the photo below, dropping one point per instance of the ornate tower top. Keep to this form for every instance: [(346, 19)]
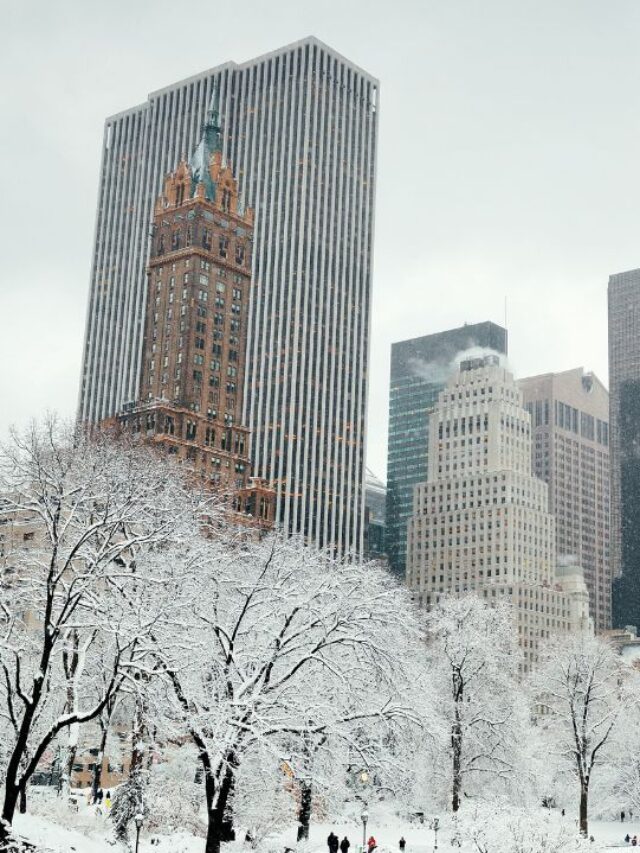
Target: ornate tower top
[(205, 176)]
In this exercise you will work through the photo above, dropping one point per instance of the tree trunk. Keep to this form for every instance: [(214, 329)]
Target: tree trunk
[(584, 808), (218, 825), (68, 769), (97, 769), (456, 749), (304, 811), (456, 740), (8, 810)]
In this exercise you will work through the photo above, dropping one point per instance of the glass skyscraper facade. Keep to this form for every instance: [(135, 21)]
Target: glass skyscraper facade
[(299, 126), (624, 429), (420, 369)]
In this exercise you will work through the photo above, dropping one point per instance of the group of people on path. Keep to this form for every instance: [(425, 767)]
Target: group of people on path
[(334, 844), (99, 797)]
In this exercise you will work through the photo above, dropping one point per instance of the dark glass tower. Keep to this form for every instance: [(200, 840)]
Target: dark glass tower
[(420, 369), (624, 422)]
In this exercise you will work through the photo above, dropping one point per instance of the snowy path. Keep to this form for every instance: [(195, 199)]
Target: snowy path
[(54, 838)]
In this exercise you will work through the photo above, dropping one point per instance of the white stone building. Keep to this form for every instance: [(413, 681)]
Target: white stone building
[(481, 522)]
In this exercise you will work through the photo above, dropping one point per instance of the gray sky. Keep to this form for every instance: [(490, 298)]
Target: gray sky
[(508, 167)]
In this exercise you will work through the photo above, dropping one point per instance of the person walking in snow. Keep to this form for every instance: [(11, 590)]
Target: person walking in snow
[(621, 817), (333, 842), (345, 844), (403, 843), (371, 844)]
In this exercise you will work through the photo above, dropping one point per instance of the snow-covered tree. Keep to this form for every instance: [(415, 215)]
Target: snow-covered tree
[(474, 665), (80, 512), (505, 828), (581, 693), (280, 644)]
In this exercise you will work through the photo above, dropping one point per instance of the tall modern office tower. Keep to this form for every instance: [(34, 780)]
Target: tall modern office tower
[(481, 521), (624, 420), (299, 126), (570, 452), (420, 368)]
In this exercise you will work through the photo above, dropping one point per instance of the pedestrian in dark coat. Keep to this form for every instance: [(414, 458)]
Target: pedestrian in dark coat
[(621, 817), (403, 843), (333, 842), (345, 844), (627, 838)]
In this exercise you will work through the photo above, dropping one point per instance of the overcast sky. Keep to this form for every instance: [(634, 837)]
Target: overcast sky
[(508, 165)]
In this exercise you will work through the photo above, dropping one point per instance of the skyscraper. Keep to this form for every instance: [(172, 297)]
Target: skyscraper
[(624, 421), (570, 425), (195, 330), (481, 521), (420, 368), (299, 126)]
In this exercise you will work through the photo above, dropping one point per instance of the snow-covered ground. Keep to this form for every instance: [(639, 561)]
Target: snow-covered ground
[(92, 835)]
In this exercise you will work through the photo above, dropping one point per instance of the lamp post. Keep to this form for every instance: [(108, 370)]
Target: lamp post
[(436, 826), (139, 820), (364, 779), (365, 818)]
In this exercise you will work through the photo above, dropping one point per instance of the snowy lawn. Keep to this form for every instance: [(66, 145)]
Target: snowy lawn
[(93, 835)]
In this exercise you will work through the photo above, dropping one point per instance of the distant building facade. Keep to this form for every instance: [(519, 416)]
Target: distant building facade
[(420, 368), (300, 125), (481, 521), (624, 419), (570, 452), (375, 502)]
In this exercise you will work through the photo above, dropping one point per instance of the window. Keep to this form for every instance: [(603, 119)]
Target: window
[(203, 279), (221, 286), (206, 239), (239, 254), (223, 247), (176, 239), (237, 294), (226, 200)]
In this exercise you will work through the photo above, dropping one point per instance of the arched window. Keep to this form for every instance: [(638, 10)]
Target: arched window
[(179, 194), (226, 199)]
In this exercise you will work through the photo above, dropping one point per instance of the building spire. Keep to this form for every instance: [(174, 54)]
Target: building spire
[(211, 128), (210, 142)]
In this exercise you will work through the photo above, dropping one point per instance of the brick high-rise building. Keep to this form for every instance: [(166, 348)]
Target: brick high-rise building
[(420, 368), (194, 351), (481, 522), (624, 420), (570, 424), (300, 126)]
